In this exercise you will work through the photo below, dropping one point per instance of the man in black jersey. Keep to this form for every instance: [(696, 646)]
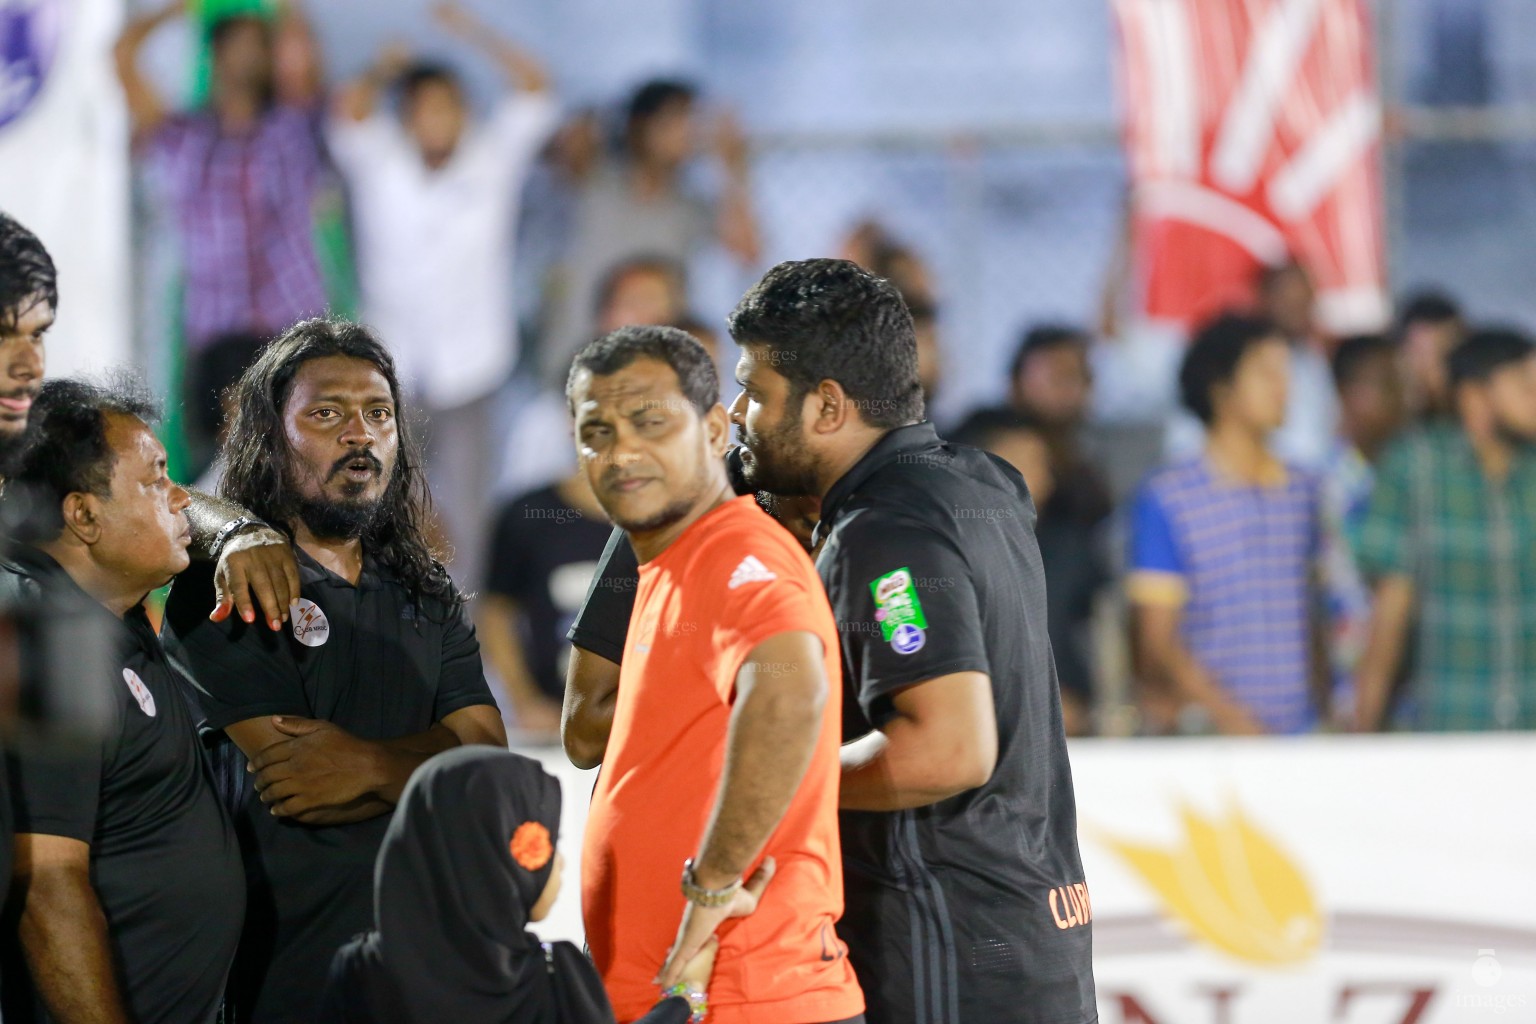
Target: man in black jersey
[(128, 880), (254, 566), (965, 893), (378, 670)]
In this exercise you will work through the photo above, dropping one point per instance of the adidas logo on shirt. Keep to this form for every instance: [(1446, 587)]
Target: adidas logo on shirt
[(750, 571)]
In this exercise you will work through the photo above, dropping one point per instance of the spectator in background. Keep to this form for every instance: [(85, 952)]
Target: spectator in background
[(298, 68), (1287, 300), (209, 404), (1429, 327), (872, 246), (544, 550), (435, 199), (639, 204), (1450, 543), (242, 175), (875, 248), (1373, 407), (930, 358), (1223, 547), (1051, 383), (706, 336), (1071, 550), (641, 291)]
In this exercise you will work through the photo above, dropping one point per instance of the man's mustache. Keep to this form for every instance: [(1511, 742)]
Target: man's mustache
[(362, 456)]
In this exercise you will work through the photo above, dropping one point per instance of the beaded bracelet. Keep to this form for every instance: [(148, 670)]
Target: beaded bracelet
[(698, 1000)]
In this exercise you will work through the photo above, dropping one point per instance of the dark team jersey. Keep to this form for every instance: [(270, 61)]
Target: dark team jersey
[(975, 908), (369, 658), (165, 862), (543, 556)]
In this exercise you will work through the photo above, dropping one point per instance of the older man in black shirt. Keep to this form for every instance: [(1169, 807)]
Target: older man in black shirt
[(127, 867), (965, 893), (378, 670)]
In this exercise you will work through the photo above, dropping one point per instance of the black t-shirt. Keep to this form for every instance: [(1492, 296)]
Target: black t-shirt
[(165, 862), (974, 908), (1072, 551), (371, 659), (543, 556)]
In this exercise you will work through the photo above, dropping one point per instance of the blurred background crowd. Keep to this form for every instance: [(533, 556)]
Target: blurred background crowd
[(1320, 515)]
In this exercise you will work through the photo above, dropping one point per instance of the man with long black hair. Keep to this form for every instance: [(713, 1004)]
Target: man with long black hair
[(963, 883), (379, 669)]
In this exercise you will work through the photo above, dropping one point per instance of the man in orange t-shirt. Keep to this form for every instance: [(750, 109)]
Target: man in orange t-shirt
[(723, 760)]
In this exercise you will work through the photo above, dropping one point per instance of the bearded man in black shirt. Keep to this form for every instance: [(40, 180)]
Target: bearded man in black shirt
[(378, 670), (127, 870)]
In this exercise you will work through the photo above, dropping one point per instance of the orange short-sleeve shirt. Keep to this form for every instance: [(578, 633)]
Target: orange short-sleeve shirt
[(732, 580)]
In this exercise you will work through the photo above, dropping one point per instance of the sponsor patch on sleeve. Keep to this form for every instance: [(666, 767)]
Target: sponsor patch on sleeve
[(899, 612)]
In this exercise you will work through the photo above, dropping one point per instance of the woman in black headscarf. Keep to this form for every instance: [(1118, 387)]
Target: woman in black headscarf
[(468, 861)]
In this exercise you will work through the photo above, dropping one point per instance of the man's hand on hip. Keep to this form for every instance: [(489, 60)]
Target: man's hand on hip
[(699, 923)]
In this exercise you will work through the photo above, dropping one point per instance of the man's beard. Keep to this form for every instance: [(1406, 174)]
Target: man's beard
[(350, 516), (670, 514), (347, 519), (660, 521), (779, 461), (12, 444)]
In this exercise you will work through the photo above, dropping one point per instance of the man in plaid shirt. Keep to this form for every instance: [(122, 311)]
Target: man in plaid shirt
[(1450, 540), (241, 175)]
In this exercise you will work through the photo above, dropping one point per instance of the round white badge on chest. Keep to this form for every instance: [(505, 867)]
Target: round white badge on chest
[(310, 626), (140, 692)]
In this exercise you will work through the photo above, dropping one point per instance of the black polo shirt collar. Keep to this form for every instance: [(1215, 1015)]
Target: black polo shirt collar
[(372, 577), (900, 441), (38, 565)]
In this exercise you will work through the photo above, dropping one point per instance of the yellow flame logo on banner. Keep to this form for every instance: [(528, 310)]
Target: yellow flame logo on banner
[(1233, 887)]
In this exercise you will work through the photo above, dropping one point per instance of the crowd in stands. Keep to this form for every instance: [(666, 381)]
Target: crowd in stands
[(1338, 536)]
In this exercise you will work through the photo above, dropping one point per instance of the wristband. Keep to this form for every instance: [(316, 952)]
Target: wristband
[(710, 899), (227, 531), (698, 1000)]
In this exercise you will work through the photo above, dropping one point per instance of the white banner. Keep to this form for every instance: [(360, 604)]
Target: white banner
[(64, 167), (1349, 880)]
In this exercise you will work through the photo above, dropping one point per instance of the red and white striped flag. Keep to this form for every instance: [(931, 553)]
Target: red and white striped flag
[(1253, 129)]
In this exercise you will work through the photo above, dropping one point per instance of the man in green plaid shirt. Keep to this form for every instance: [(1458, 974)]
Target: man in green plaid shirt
[(1450, 541)]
